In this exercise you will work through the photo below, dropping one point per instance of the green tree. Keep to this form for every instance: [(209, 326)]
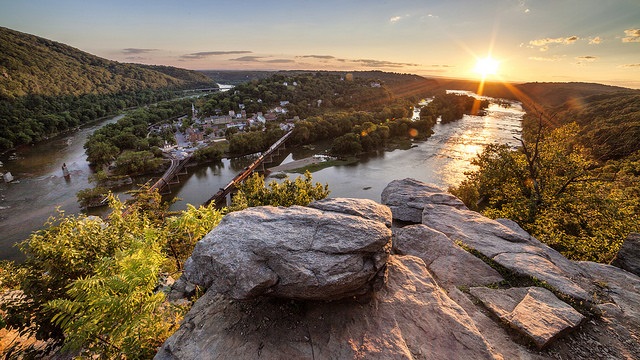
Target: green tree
[(90, 283), (552, 188), (253, 192), (102, 153), (115, 312)]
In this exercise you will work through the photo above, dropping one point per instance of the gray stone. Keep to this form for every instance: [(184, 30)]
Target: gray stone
[(406, 199), (538, 267), (498, 336), (623, 290), (448, 262), (535, 312), (363, 208), (409, 318), (511, 247), (628, 257), (296, 252)]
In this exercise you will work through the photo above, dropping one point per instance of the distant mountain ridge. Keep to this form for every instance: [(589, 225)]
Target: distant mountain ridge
[(33, 65)]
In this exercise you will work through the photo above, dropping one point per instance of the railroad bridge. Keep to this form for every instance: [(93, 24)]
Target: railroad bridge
[(220, 198), (169, 176)]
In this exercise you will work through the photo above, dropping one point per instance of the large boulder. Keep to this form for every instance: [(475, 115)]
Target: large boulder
[(409, 318), (628, 257), (296, 252), (407, 197)]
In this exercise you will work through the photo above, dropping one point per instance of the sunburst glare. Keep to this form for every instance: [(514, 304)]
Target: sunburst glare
[(487, 66)]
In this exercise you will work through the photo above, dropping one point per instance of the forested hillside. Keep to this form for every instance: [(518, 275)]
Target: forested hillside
[(34, 65), (47, 87)]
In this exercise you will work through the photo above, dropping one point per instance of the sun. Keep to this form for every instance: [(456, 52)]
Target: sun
[(487, 66)]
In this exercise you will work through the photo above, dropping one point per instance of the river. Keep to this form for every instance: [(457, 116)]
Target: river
[(40, 188)]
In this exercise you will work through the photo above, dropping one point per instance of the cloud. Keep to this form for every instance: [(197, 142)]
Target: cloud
[(259, 59), (362, 62), (380, 63), (204, 54), (279, 61), (595, 41), (442, 66), (540, 58), (395, 19), (587, 58), (322, 57), (249, 58), (134, 51), (630, 66), (543, 44), (632, 35)]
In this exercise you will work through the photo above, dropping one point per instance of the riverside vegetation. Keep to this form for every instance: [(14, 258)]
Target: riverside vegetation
[(574, 183)]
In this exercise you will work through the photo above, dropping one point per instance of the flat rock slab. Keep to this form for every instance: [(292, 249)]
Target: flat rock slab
[(535, 312), (407, 197), (296, 252), (510, 247), (623, 288), (409, 318), (448, 262)]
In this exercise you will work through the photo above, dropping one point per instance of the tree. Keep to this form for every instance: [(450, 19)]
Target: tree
[(347, 145), (102, 153), (115, 312), (253, 192), (92, 284), (552, 188)]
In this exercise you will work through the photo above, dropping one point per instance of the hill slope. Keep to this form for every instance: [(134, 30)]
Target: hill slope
[(34, 65), (47, 87)]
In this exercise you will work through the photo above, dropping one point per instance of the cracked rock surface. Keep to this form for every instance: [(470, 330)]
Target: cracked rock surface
[(295, 253)]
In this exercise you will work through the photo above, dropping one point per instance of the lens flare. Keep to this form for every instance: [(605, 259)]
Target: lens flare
[(487, 66)]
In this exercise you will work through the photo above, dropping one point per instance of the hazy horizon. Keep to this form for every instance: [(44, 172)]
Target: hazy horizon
[(560, 41)]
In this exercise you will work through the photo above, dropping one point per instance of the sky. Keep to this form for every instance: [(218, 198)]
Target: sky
[(531, 40)]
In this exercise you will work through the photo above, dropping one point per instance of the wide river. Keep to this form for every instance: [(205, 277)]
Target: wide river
[(27, 203)]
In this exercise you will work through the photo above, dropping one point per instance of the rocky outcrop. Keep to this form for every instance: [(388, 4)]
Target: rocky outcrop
[(296, 252), (521, 254), (456, 285), (410, 317), (628, 257)]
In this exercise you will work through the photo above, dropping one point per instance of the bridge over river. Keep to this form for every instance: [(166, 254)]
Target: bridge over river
[(220, 198)]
